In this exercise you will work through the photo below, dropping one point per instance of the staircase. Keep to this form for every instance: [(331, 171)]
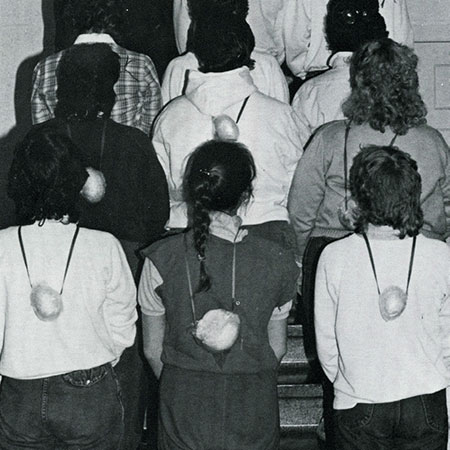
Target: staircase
[(300, 401)]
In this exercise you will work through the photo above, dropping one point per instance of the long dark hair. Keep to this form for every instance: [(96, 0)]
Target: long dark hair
[(386, 185), (46, 177), (218, 177)]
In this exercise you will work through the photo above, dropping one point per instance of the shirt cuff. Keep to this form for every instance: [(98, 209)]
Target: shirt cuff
[(281, 312)]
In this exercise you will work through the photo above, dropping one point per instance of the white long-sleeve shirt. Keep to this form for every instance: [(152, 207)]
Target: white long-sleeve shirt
[(370, 360), (99, 301)]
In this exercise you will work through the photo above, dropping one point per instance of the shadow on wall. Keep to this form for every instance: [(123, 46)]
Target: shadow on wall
[(22, 110)]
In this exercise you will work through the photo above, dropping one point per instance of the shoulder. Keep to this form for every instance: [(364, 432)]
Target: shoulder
[(49, 63), (186, 61), (179, 108), (280, 113), (97, 238), (436, 249), (340, 249), (265, 59), (425, 132), (7, 235), (330, 130), (166, 249), (133, 59)]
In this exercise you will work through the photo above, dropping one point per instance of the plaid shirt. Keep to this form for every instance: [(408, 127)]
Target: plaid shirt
[(138, 94)]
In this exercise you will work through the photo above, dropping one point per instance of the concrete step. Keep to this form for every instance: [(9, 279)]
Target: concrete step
[(300, 415), (294, 368), (300, 400)]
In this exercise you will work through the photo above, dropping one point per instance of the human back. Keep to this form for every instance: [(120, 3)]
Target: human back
[(216, 269)]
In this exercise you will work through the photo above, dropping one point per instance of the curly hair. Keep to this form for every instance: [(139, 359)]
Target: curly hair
[(86, 76), (222, 43), (202, 9), (351, 23), (218, 177), (386, 185), (46, 177), (385, 87), (95, 16)]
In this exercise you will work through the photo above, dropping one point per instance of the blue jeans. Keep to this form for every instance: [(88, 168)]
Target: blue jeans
[(77, 410), (415, 423)]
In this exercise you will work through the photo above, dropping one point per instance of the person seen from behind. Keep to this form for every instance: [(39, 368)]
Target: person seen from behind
[(382, 313), (67, 309), (215, 301)]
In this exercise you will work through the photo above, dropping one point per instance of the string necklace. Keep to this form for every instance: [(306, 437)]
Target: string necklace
[(102, 141), (46, 301), (218, 329), (392, 301), (233, 284), (225, 128)]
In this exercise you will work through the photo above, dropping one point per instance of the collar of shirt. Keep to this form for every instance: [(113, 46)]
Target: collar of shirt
[(226, 227), (94, 38), (384, 232), (340, 59)]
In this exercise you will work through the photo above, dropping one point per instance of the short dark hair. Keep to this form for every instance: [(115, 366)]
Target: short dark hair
[(385, 87), (46, 177), (95, 16), (351, 23), (203, 9), (86, 76), (386, 185), (218, 177), (222, 43)]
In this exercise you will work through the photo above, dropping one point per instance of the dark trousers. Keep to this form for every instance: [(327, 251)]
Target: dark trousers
[(215, 411), (416, 423), (311, 256), (132, 379), (79, 410)]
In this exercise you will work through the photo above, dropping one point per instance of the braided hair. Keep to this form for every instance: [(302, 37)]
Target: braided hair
[(218, 177)]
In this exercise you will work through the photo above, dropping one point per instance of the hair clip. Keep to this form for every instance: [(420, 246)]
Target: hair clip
[(205, 172)]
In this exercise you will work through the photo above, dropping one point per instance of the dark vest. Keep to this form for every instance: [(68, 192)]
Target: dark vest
[(265, 278)]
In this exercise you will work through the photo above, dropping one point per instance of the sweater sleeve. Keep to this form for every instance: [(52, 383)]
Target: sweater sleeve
[(325, 310), (305, 106), (278, 87), (181, 22), (120, 304), (296, 24), (155, 197), (307, 192)]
